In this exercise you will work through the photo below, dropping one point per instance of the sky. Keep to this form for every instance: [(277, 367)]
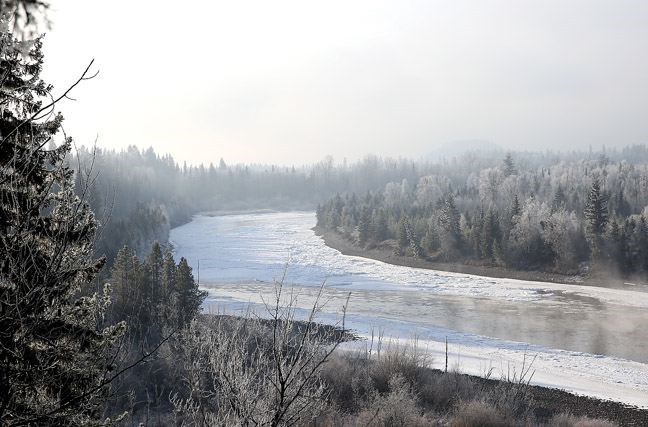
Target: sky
[(290, 82)]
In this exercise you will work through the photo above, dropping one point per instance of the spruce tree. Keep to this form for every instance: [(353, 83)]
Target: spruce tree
[(190, 298), (559, 200), (403, 235), (364, 227), (450, 230), (509, 166), (53, 353), (124, 279), (515, 207), (379, 226), (596, 218), (154, 265)]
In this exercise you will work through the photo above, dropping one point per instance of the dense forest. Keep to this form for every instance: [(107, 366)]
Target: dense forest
[(552, 212), (138, 196)]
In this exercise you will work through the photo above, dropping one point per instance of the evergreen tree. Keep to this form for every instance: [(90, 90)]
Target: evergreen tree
[(124, 281), (168, 276), (559, 200), (379, 226), (364, 227), (596, 218), (154, 266), (403, 235), (190, 297), (509, 166), (450, 231), (53, 356), (490, 235)]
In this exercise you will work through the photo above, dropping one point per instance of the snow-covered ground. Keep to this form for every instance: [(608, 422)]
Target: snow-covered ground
[(574, 334)]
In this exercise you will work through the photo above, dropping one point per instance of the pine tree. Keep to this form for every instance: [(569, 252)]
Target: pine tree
[(490, 235), (403, 235), (509, 166), (364, 227), (53, 356), (168, 276), (379, 226), (559, 200), (515, 207), (124, 279), (450, 230), (154, 266), (190, 297), (596, 218)]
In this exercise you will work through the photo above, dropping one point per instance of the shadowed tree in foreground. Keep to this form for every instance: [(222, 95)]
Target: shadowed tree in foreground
[(55, 357)]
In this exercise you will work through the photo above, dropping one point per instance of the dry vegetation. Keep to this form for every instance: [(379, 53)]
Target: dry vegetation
[(279, 370)]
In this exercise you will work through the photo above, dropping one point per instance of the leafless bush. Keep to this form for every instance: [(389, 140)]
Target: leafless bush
[(392, 358), (398, 407), (439, 392), (478, 414), (251, 371)]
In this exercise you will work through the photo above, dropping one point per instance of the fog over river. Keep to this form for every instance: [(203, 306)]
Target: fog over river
[(585, 339)]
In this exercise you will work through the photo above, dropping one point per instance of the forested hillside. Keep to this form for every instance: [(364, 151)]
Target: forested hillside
[(552, 212)]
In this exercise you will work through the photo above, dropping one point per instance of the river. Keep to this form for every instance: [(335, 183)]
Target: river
[(589, 340)]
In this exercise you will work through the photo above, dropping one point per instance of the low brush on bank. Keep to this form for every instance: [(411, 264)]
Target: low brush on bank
[(386, 387)]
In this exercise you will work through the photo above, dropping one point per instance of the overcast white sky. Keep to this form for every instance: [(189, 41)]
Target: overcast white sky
[(292, 81)]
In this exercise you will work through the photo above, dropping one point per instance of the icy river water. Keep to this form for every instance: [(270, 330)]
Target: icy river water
[(584, 339)]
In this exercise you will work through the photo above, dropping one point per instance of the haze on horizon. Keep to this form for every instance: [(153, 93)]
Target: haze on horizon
[(290, 82)]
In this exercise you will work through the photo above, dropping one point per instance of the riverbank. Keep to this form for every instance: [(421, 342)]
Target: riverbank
[(442, 392), (385, 253)]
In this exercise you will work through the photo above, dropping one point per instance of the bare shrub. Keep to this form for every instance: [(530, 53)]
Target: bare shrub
[(398, 407), (477, 413), (440, 392), (346, 376), (251, 371), (406, 360), (568, 420)]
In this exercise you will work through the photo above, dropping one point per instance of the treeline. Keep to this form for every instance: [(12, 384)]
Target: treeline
[(564, 217), (139, 195)]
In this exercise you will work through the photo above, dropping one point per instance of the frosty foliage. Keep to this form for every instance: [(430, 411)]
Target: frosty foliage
[(249, 371), (561, 212), (56, 354)]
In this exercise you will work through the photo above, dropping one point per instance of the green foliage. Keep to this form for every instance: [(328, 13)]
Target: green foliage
[(155, 295)]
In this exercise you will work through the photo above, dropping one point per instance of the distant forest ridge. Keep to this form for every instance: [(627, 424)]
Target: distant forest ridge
[(139, 195)]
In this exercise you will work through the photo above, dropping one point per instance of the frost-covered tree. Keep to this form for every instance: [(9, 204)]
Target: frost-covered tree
[(54, 354), (562, 233), (527, 247), (403, 234), (509, 165), (596, 218), (364, 227), (449, 226)]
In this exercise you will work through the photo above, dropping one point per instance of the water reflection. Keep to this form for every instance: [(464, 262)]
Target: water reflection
[(562, 321)]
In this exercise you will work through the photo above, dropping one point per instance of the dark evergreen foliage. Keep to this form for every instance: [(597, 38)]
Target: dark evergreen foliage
[(54, 353)]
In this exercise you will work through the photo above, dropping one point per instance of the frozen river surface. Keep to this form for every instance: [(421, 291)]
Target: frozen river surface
[(584, 339)]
